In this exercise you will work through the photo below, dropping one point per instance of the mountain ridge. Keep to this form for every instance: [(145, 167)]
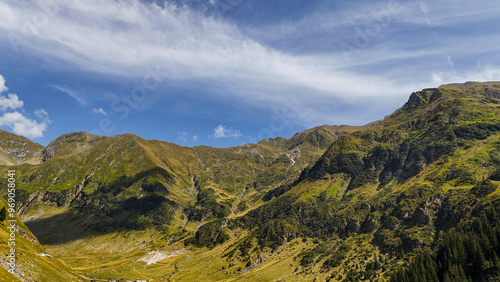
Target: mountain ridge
[(16, 149), (336, 200)]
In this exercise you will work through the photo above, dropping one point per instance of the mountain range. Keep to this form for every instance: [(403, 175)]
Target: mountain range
[(411, 197)]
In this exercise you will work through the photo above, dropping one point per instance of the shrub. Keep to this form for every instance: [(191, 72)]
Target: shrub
[(210, 234)]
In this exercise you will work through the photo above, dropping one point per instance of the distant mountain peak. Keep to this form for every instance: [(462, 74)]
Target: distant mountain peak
[(15, 149)]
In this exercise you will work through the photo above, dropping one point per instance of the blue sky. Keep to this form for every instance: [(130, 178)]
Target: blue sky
[(229, 72)]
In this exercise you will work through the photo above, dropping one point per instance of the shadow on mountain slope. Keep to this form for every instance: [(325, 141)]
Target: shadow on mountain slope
[(106, 210), (59, 229)]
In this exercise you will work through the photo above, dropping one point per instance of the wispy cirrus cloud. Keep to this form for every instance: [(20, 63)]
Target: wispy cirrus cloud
[(185, 137), (123, 37), (182, 135), (71, 93), (482, 74), (300, 63)]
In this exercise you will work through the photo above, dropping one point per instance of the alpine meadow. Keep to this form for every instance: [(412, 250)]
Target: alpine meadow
[(412, 197)]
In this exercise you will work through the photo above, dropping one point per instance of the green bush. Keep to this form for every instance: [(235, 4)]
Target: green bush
[(210, 234), (207, 206), (483, 188)]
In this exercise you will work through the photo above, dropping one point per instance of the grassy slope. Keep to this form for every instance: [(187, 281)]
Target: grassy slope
[(397, 199), (248, 172), (31, 266), (17, 149), (83, 170), (424, 179)]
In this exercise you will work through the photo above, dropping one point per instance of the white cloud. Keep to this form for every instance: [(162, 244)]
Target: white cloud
[(222, 131), (450, 62), (41, 113), (99, 111), (182, 136), (481, 74), (125, 37), (122, 37), (450, 12), (22, 125), (2, 84), (11, 102), (16, 121)]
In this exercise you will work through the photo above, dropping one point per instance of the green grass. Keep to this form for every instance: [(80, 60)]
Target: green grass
[(350, 186), (30, 264)]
